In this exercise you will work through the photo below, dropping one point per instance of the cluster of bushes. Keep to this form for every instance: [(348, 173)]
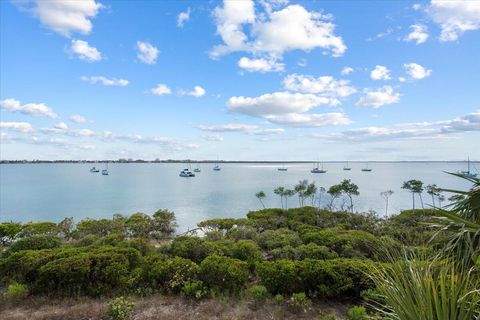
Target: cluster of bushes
[(302, 250)]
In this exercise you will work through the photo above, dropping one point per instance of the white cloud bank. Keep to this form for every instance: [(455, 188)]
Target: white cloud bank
[(380, 73), (260, 65), (105, 81), (183, 17), (31, 109), (160, 90), (326, 86), (147, 53), (63, 16), (197, 92), (77, 118), (377, 98), (17, 126), (418, 33), (416, 71), (243, 128)]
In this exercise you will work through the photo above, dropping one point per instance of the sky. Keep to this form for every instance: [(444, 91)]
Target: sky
[(240, 80)]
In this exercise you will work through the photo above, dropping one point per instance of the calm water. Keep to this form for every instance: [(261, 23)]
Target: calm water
[(53, 191)]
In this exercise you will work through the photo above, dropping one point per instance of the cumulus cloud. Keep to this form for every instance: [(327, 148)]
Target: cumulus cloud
[(454, 17), (31, 109), (146, 52), (105, 81), (274, 32), (277, 103), (260, 65), (418, 33), (17, 126), (423, 130), (346, 71), (160, 90), (196, 92), (310, 120), (214, 137), (324, 86), (380, 73), (183, 17), (416, 71), (77, 118), (63, 17), (378, 97), (84, 51), (242, 128)]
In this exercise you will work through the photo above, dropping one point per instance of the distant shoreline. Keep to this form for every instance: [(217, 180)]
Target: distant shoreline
[(226, 161)]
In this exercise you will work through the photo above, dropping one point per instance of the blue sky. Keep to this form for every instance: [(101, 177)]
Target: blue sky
[(240, 80)]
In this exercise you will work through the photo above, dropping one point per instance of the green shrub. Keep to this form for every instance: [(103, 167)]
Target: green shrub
[(279, 299), (16, 291), (299, 302), (193, 248), (357, 313), (120, 309), (168, 275), (194, 289), (268, 218), (243, 233), (246, 250), (287, 252), (328, 318), (271, 239), (36, 242), (314, 251), (259, 294), (224, 274), (23, 266)]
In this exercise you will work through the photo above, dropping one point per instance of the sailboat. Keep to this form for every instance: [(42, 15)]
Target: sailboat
[(318, 170), (346, 167), (468, 173), (94, 169), (216, 167), (105, 171), (197, 169), (366, 169), (282, 168)]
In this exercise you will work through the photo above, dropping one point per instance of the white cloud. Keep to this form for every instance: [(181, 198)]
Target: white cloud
[(61, 126), (423, 130), (243, 128), (160, 90), (378, 97), (105, 81), (183, 17), (32, 109), (215, 137), (17, 126), (416, 71), (326, 86), (84, 51), (196, 92), (380, 73), (274, 32), (454, 17), (78, 118), (63, 17), (146, 52), (346, 71), (310, 120), (277, 103), (418, 33), (260, 65)]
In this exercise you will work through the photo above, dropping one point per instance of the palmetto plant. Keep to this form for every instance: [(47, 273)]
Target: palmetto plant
[(461, 219)]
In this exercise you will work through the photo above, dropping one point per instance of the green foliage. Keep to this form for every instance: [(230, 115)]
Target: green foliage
[(217, 224), (259, 294), (314, 251), (9, 231), (139, 225), (37, 242), (279, 299), (338, 277), (39, 228), (224, 274), (268, 219), (164, 224), (271, 239), (410, 227), (120, 309), (193, 248), (16, 291), (99, 228), (357, 313), (299, 303), (246, 250), (194, 289)]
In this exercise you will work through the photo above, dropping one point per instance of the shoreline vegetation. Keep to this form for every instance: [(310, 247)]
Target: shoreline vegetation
[(278, 263)]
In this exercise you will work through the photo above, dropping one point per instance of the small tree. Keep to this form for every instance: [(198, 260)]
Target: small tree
[(165, 223), (311, 191), (281, 192), (350, 189), (334, 191), (414, 186), (288, 193), (321, 191), (440, 198), (433, 191), (301, 188), (386, 195), (260, 195), (65, 228)]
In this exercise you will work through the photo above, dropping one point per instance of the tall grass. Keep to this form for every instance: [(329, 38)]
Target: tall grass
[(414, 289)]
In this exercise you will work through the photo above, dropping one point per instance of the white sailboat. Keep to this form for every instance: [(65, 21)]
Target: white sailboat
[(366, 169), (468, 173), (216, 167), (105, 171), (346, 167), (318, 170), (282, 168)]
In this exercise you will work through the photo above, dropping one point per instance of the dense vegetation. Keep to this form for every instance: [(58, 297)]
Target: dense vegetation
[(302, 254)]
